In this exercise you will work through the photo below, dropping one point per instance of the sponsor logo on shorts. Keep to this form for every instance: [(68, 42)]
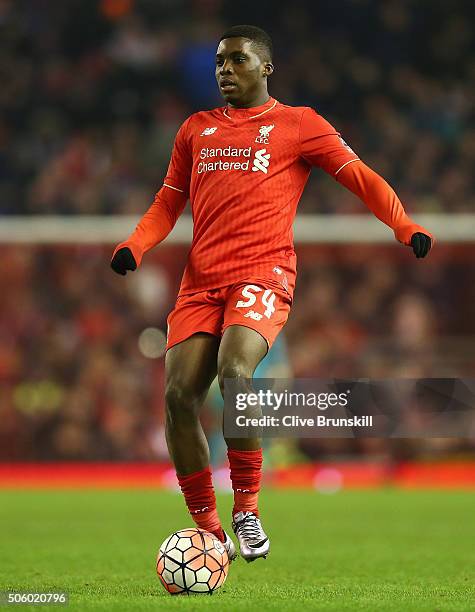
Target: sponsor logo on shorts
[(283, 277), (253, 315)]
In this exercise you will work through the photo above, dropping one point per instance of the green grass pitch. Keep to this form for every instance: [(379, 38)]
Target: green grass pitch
[(356, 550)]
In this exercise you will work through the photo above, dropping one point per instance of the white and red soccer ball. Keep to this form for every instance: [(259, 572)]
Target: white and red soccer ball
[(192, 561)]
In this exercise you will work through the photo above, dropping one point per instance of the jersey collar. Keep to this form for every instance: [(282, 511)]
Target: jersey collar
[(249, 113)]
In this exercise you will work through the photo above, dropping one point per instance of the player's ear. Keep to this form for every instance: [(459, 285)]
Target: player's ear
[(268, 69)]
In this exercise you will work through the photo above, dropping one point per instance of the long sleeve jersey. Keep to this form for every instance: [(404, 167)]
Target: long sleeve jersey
[(244, 171)]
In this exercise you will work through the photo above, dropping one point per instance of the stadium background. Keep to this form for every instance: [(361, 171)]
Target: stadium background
[(93, 93)]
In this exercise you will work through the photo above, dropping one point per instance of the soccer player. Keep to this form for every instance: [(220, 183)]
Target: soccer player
[(243, 167)]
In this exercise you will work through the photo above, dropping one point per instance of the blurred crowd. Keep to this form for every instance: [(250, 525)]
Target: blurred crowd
[(79, 379), (93, 92)]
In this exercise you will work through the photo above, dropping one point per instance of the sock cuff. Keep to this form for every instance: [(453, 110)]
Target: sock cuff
[(249, 459), (232, 452), (246, 473), (190, 478)]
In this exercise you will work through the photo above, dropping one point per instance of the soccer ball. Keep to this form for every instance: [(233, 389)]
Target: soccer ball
[(192, 561)]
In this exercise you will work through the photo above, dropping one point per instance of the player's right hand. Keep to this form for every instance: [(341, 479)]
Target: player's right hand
[(421, 244), (123, 260)]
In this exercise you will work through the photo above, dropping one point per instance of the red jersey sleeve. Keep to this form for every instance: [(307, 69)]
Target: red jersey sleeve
[(181, 162), (321, 145), (156, 224), (169, 202), (381, 199)]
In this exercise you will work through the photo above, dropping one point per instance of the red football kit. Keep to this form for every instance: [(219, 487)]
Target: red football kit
[(244, 171)]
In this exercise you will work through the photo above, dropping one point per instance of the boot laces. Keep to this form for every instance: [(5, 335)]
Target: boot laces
[(250, 528)]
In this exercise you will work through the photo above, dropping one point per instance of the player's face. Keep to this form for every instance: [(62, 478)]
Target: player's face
[(240, 71)]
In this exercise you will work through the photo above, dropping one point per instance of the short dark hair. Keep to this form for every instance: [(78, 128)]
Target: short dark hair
[(258, 36)]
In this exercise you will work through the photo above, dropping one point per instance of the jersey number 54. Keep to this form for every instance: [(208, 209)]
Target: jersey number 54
[(267, 299)]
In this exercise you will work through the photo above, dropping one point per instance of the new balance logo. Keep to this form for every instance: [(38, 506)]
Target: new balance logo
[(208, 131), (253, 315), (261, 161)]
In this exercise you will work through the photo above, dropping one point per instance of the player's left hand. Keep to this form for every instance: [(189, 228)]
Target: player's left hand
[(421, 244), (123, 260)]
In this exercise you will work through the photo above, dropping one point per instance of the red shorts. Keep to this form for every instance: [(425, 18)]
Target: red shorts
[(260, 304)]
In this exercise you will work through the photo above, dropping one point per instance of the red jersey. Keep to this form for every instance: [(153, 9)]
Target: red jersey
[(244, 171)]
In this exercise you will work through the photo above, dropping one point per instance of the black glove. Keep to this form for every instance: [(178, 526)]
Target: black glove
[(421, 244), (122, 261)]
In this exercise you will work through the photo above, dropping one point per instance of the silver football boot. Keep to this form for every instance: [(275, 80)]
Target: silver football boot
[(253, 541), (230, 548)]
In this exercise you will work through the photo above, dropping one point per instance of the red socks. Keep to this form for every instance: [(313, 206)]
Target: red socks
[(246, 472), (201, 501)]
